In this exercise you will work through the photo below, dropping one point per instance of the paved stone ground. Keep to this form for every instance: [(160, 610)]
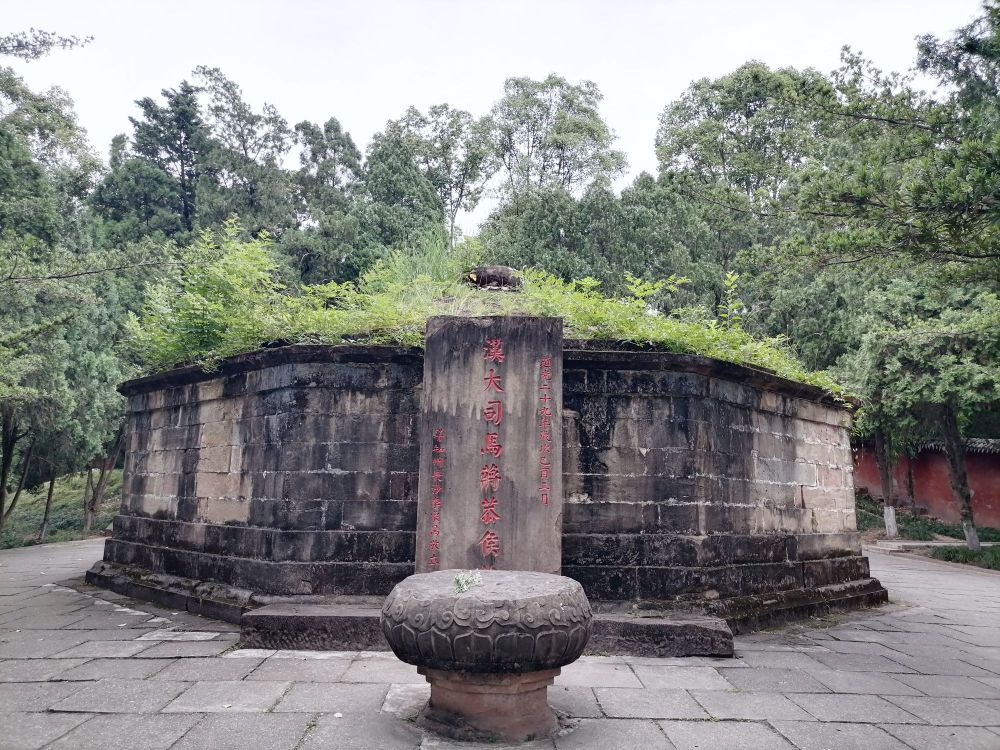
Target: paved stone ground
[(89, 669)]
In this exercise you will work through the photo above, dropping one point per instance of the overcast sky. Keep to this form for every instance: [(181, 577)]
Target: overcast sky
[(366, 62)]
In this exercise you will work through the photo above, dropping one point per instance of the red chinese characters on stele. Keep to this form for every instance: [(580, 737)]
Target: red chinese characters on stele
[(490, 475), (437, 488), (545, 430)]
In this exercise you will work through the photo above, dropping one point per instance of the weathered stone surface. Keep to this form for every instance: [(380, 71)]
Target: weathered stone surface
[(690, 485), (314, 627), (676, 635), (510, 621), (490, 491)]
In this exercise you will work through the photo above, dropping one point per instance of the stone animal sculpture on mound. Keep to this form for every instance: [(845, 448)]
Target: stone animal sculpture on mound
[(494, 278)]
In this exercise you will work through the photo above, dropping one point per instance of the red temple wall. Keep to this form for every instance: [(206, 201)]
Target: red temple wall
[(932, 487)]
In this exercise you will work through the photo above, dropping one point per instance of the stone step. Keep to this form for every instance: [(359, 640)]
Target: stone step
[(338, 626)]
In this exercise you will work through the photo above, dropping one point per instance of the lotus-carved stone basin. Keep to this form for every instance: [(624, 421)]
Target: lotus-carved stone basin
[(489, 648)]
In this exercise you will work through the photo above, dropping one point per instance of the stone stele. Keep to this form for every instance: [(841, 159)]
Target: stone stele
[(490, 478)]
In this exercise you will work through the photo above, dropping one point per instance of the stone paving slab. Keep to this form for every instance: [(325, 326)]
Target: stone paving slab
[(938, 738), (298, 670), (228, 697), (631, 703), (84, 668), (32, 731), (687, 735), (681, 678), (342, 698), (119, 696), (37, 670), (247, 732), (101, 669), (870, 683), (869, 709), (127, 732), (809, 735), (200, 669), (34, 696), (623, 733), (948, 711), (749, 706)]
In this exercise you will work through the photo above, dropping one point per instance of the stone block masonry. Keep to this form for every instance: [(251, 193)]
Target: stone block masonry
[(688, 483), (285, 473)]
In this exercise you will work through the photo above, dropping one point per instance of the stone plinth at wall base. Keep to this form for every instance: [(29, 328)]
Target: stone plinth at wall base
[(345, 623), (656, 634), (197, 597), (334, 626), (750, 613), (511, 707), (313, 627)]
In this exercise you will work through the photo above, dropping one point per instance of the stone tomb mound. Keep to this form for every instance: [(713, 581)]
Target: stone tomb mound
[(283, 488)]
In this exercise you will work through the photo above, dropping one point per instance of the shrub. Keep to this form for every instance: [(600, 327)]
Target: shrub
[(913, 526), (987, 557)]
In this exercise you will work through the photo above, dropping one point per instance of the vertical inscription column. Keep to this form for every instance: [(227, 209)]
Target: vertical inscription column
[(490, 493)]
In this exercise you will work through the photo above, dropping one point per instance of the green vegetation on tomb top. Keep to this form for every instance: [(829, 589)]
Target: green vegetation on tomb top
[(226, 299)]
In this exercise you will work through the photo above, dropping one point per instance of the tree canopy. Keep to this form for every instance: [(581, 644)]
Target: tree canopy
[(839, 227)]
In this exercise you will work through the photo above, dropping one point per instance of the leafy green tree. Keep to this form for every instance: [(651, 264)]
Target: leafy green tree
[(241, 170), (651, 231), (58, 328), (220, 300), (927, 364), (403, 204), (152, 187), (453, 151), (135, 199), (550, 134), (734, 146), (908, 176), (332, 238), (742, 130), (35, 43), (330, 167)]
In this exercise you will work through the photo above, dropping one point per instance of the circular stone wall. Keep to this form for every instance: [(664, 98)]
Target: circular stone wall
[(292, 471)]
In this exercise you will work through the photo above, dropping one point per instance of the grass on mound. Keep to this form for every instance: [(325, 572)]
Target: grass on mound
[(987, 557), (225, 298), (66, 517)]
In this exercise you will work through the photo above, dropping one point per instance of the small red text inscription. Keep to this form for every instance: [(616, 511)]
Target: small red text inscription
[(493, 349), (491, 475), (437, 489), (492, 381), (545, 415)]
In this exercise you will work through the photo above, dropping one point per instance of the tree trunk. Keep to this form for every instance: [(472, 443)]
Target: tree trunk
[(882, 458), (8, 440), (955, 453), (43, 531), (20, 484), (108, 463), (910, 486), (87, 492)]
